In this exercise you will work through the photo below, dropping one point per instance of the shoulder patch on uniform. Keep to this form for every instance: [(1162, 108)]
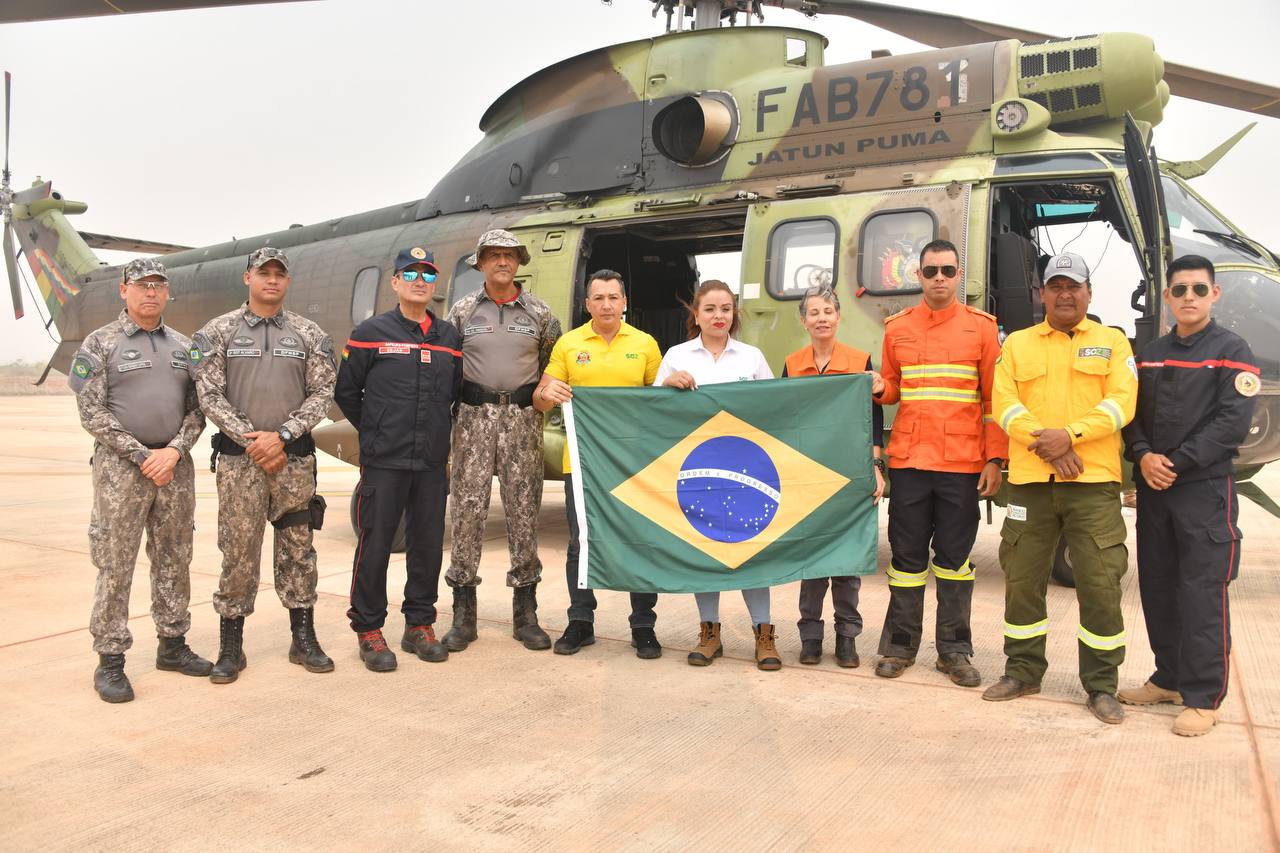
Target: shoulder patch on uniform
[(83, 367), (1133, 366), (201, 346), (902, 313), (325, 347), (981, 313), (1247, 384)]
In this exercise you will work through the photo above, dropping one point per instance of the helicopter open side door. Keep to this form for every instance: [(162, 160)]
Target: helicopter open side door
[(866, 247), (1148, 197)]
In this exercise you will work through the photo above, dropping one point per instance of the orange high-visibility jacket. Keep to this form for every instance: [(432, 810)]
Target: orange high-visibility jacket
[(939, 367), (1085, 383)]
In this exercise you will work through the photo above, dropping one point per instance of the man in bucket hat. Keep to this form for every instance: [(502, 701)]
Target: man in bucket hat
[(507, 336), (134, 389)]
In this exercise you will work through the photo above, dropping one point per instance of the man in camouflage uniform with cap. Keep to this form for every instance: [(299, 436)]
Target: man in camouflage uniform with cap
[(507, 336), (134, 389), (265, 377)]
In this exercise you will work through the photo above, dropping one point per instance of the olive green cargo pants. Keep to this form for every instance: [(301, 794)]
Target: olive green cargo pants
[(1088, 514)]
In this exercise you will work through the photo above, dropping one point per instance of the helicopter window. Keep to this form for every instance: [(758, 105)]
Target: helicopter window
[(364, 295), (802, 254), (797, 52), (890, 247), (1196, 230), (465, 281), (1047, 163)]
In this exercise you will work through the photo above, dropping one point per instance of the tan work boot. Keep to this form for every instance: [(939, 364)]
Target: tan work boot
[(1193, 722), (767, 657), (1148, 694), (709, 647)]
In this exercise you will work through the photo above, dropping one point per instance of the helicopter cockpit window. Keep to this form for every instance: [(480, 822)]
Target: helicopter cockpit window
[(465, 281), (802, 254), (364, 295), (1196, 230), (890, 250), (797, 52)]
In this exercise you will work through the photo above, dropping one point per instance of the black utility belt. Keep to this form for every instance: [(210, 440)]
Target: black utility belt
[(478, 395), (227, 446)]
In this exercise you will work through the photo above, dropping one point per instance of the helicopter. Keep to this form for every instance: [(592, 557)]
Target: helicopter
[(724, 136)]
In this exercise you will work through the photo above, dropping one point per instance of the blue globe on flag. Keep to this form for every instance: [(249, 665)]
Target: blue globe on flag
[(728, 488)]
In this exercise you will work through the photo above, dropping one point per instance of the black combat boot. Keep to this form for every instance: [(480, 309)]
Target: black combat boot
[(305, 648), (524, 618), (174, 655), (462, 632), (110, 681), (231, 657)]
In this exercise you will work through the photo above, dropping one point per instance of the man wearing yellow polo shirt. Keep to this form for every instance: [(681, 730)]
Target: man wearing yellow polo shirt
[(1063, 391), (605, 351)]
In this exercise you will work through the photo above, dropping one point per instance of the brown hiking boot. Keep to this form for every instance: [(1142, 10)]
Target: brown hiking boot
[(1008, 688), (1193, 722), (890, 667), (1148, 694), (1105, 707), (766, 649), (957, 666), (709, 647)]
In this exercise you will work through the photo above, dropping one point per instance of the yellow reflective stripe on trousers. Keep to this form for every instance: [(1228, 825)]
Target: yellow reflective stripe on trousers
[(1026, 632), (940, 371), (929, 392), (988, 419), (1099, 642), (907, 579), (1112, 409), (964, 573), (1011, 413)]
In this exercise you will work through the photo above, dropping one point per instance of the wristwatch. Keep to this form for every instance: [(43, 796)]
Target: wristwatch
[(285, 435), (996, 459), (879, 463)]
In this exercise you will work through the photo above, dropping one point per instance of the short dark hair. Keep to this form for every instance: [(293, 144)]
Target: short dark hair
[(1191, 262), (606, 275), (936, 246)]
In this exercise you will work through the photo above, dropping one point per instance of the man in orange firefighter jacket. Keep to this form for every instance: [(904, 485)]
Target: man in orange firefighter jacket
[(945, 452)]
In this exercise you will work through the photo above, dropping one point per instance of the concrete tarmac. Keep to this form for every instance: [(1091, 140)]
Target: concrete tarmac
[(501, 748)]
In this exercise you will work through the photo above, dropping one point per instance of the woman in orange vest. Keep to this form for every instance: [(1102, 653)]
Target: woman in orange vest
[(820, 313)]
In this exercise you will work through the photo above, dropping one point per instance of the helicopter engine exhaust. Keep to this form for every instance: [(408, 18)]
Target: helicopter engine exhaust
[(696, 129)]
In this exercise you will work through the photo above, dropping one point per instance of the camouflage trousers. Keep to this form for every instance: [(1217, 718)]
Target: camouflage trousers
[(247, 499), (505, 440), (124, 504)]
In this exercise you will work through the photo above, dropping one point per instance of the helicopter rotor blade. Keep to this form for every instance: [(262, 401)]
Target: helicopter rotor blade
[(938, 29), (11, 267), (7, 81)]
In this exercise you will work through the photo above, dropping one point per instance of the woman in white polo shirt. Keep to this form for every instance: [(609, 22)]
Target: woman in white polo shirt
[(712, 355)]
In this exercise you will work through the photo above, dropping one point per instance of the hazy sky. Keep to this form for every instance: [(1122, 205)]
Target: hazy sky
[(194, 127)]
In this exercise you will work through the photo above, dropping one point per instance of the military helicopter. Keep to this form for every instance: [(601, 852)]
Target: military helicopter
[(723, 135)]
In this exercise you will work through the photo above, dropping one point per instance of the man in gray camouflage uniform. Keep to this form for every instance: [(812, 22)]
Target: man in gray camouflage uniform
[(265, 377), (507, 336), (134, 389)]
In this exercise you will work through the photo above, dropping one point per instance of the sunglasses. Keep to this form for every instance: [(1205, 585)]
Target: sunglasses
[(150, 285), (412, 275), (948, 271), (1178, 291)]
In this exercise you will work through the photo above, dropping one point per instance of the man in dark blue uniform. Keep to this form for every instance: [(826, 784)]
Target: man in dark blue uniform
[(400, 378), (1195, 403)]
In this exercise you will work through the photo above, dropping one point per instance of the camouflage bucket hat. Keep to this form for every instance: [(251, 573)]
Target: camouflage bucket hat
[(266, 253), (140, 268), (498, 239)]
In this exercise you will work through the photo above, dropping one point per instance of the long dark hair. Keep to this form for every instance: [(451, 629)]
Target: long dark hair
[(703, 289)]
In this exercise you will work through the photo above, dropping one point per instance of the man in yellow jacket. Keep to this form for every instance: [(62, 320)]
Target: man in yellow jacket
[(1063, 391)]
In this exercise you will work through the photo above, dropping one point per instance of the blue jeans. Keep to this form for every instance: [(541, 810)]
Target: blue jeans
[(582, 602)]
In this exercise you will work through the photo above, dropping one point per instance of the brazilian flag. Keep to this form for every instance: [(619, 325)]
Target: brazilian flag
[(731, 486)]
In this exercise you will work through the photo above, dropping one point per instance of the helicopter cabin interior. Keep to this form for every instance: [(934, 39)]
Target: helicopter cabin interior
[(1032, 221)]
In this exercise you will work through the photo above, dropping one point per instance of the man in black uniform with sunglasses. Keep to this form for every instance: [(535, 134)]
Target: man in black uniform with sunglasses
[(401, 374), (1195, 402)]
